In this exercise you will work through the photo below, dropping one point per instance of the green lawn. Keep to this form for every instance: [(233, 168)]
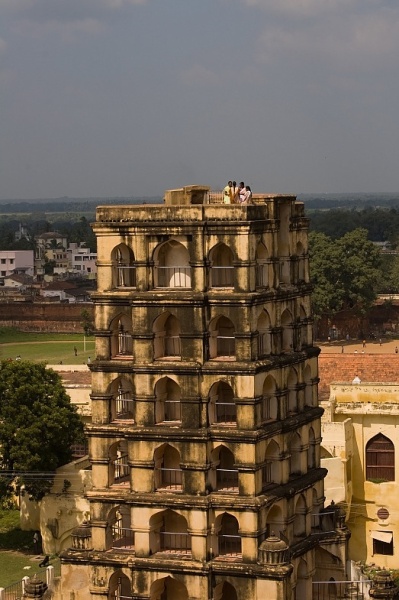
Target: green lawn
[(16, 550), (47, 347)]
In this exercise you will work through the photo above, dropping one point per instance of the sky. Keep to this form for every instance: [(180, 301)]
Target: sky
[(107, 98)]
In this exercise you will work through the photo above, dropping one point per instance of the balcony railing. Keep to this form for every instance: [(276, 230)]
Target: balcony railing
[(124, 406), (122, 470), (167, 345), (122, 537), (229, 545), (170, 479), (227, 479), (173, 277), (225, 345), (176, 542), (125, 345), (126, 275), (222, 276)]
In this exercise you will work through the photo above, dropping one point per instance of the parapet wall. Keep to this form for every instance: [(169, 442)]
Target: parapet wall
[(51, 317)]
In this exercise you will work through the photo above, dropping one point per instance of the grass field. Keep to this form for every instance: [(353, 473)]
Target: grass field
[(48, 347), (17, 559)]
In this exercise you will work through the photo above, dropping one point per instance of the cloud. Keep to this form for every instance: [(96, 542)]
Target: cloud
[(199, 75), (3, 45), (355, 41), (302, 8), (63, 16)]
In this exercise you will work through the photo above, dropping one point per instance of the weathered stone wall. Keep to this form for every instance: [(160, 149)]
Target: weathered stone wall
[(44, 317)]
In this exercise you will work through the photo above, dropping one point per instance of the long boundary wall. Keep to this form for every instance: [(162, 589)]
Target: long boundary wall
[(44, 317)]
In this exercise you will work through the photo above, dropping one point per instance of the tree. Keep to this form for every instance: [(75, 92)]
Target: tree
[(87, 321), (345, 272), (38, 425)]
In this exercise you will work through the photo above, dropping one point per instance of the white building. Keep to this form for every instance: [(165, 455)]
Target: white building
[(16, 262)]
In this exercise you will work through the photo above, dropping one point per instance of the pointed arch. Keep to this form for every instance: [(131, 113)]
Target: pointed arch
[(166, 329), (262, 267), (287, 331), (123, 267), (380, 459), (223, 463), (295, 449), (167, 401), (167, 473), (168, 588), (119, 470), (221, 259), (271, 470), (225, 591), (222, 338), (122, 403), (229, 538), (169, 533), (222, 408), (172, 265), (269, 400), (119, 585), (121, 336), (265, 336)]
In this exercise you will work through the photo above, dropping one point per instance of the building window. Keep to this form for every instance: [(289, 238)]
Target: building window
[(3, 261), (382, 542), (380, 459)]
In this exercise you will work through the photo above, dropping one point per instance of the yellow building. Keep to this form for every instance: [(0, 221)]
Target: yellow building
[(369, 455), (205, 432)]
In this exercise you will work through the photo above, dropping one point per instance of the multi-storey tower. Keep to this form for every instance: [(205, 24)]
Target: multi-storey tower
[(205, 437)]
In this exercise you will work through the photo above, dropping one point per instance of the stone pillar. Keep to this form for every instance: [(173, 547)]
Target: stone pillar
[(383, 586), (34, 588)]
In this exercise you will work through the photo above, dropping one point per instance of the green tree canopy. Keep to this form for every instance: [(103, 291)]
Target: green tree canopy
[(345, 272), (38, 425)]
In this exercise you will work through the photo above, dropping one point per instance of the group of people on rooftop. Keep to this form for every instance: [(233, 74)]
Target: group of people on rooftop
[(233, 194)]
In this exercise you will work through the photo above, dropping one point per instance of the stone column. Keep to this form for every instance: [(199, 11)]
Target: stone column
[(34, 588)]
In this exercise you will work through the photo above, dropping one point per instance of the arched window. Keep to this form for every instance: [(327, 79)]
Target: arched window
[(226, 471), (222, 408), (123, 267), (225, 591), (122, 534), (172, 268), (122, 404), (121, 339), (312, 449), (221, 267), (295, 448), (169, 533), (168, 401), (222, 338), (262, 279), (275, 521), (119, 586), (119, 470), (168, 588), (300, 518), (168, 473), (286, 324), (292, 404), (300, 256), (166, 331), (269, 400), (380, 459), (271, 470), (264, 337), (229, 539)]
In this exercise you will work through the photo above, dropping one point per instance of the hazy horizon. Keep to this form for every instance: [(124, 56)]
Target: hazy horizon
[(127, 98)]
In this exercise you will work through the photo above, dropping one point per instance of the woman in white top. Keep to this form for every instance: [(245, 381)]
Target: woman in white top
[(248, 195)]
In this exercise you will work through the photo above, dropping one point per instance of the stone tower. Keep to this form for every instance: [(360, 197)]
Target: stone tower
[(205, 437)]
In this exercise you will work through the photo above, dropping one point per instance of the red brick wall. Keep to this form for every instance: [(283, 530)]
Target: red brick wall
[(371, 368), (46, 317)]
